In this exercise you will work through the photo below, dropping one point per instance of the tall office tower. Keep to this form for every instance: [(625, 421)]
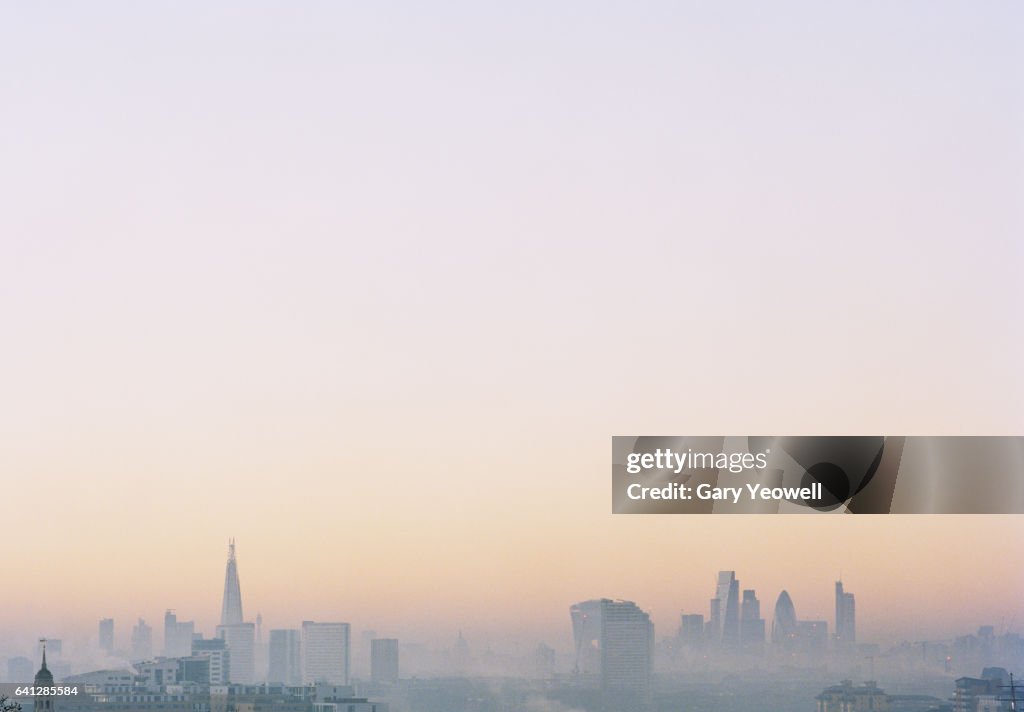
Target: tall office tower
[(691, 629), (240, 639), (216, 652), (107, 635), (285, 662), (751, 622), (785, 630), (325, 651), (231, 606), (142, 641), (846, 618), (614, 644), (170, 633), (713, 628), (177, 636), (726, 625), (384, 660)]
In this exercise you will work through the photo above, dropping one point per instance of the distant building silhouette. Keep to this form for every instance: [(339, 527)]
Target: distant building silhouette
[(239, 636), (384, 660), (106, 636), (240, 640), (785, 631), (285, 661), (260, 654), (543, 662), (231, 605), (691, 629), (614, 644), (725, 610), (142, 641), (751, 622), (846, 618), (177, 636), (791, 635), (325, 653)]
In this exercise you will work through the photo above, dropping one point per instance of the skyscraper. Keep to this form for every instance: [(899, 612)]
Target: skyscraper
[(177, 636), (107, 635), (142, 641), (785, 630), (240, 639), (384, 660), (239, 636), (846, 618), (691, 629), (751, 622), (614, 644), (231, 607), (285, 661), (725, 610), (325, 652)]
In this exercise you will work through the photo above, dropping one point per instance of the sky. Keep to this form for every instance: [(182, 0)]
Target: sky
[(369, 287)]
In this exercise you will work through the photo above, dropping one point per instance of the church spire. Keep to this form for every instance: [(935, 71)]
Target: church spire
[(44, 678)]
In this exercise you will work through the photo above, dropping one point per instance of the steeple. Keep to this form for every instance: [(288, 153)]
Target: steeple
[(44, 678), (231, 607)]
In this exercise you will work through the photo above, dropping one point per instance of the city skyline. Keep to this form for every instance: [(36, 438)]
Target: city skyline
[(179, 632)]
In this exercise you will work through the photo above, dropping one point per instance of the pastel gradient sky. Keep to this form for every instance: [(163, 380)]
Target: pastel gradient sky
[(370, 286)]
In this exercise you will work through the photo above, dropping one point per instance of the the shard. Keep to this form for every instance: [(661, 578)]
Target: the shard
[(231, 609)]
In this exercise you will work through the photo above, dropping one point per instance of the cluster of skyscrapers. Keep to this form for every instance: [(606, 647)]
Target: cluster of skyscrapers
[(735, 622), (318, 652), (614, 639)]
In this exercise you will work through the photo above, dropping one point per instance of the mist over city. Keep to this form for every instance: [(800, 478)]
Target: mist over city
[(607, 655)]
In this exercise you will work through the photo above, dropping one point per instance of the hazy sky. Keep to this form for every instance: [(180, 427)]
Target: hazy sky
[(370, 286)]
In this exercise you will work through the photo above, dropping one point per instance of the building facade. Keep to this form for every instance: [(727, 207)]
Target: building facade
[(384, 660), (285, 661), (614, 642), (325, 653)]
